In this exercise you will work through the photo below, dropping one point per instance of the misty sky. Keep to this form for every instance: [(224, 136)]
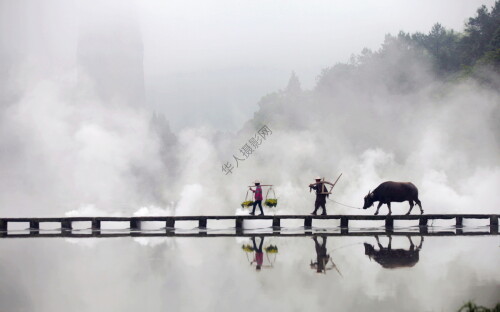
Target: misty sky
[(218, 58), (209, 62)]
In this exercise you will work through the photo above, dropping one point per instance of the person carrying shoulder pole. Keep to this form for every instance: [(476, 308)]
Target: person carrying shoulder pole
[(258, 197), (321, 195)]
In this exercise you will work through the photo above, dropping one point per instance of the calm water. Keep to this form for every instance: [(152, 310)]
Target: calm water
[(217, 274)]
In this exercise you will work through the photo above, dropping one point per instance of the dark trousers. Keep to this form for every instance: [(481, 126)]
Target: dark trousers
[(255, 245), (255, 203), (320, 202)]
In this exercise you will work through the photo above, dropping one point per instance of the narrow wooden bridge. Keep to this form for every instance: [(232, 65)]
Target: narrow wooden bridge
[(170, 222)]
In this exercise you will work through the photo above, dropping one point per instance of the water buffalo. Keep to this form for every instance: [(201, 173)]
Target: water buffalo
[(390, 258), (389, 191)]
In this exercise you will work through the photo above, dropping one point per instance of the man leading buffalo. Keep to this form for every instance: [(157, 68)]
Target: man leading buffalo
[(321, 195)]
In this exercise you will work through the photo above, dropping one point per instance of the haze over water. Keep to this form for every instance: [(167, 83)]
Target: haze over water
[(186, 274)]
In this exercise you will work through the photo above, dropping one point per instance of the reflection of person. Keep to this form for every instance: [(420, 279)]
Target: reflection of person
[(258, 198), (259, 255), (320, 198), (322, 257)]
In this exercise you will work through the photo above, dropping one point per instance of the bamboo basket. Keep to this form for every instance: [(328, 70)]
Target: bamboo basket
[(271, 202)]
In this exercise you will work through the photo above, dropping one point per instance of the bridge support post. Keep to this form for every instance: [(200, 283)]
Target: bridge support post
[(494, 224), (3, 228), (344, 225), (459, 224), (422, 223), (170, 224), (389, 224), (202, 226), (276, 223), (308, 222), (202, 223), (66, 225), (308, 225), (135, 224), (170, 227), (34, 227), (96, 225), (239, 225)]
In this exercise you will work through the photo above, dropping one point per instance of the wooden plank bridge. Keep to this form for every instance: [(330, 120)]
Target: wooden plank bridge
[(66, 223)]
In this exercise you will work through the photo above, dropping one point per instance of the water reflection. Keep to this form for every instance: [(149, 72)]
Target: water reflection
[(258, 253), (214, 274), (323, 259), (394, 258)]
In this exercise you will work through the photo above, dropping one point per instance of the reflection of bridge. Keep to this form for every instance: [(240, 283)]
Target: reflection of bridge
[(236, 234), (96, 229)]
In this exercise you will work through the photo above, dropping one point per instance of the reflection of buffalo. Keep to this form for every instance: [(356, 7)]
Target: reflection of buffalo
[(397, 258)]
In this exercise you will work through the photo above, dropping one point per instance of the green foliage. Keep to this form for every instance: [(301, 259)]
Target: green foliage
[(491, 59), (271, 202), (246, 204), (451, 54), (443, 46), (247, 248), (271, 249), (393, 66), (472, 307), (480, 32)]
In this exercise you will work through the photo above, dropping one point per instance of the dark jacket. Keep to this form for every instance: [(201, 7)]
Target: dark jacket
[(319, 187)]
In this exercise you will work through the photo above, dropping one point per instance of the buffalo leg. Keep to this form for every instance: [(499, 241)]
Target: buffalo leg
[(412, 246), (380, 247), (421, 242), (419, 205), (378, 207), (390, 243), (389, 206), (411, 206)]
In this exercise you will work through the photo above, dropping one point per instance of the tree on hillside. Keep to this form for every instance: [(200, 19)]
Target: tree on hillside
[(293, 86), (442, 45), (481, 34)]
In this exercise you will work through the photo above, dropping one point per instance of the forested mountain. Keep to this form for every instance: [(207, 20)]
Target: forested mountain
[(424, 100), (448, 52), (405, 64)]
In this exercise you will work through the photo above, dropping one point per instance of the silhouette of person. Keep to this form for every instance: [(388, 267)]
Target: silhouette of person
[(258, 198), (259, 255), (322, 256), (320, 198)]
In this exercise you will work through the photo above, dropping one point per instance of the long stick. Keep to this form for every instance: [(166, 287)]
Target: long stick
[(336, 181), (333, 185)]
